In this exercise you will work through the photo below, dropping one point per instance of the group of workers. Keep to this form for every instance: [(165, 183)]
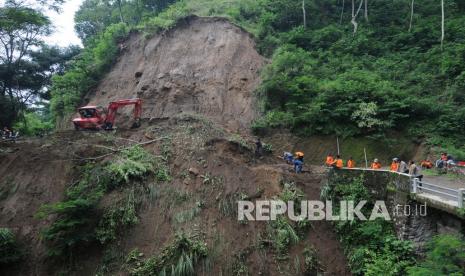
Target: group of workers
[(397, 165), (339, 163)]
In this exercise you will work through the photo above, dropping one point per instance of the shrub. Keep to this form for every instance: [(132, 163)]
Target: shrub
[(131, 163), (116, 218), (179, 258), (78, 216), (32, 124), (445, 256), (166, 19), (9, 248), (371, 246)]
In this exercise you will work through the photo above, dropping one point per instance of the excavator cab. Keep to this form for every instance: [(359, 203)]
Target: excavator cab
[(96, 117), (91, 117)]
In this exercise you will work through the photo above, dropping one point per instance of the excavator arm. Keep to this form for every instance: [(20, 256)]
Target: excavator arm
[(113, 108)]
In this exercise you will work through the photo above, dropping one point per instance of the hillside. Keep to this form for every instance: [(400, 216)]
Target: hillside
[(215, 76), (69, 218)]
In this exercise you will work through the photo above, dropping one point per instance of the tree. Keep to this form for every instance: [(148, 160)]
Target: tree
[(366, 11), (21, 28), (355, 14), (442, 24), (304, 14), (342, 11), (411, 15)]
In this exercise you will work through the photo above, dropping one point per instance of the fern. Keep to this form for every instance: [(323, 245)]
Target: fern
[(9, 248)]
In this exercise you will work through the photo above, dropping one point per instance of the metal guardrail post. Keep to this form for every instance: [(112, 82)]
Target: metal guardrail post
[(415, 184), (460, 198)]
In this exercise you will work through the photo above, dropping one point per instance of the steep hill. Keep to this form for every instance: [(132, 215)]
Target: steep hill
[(138, 201), (204, 65)]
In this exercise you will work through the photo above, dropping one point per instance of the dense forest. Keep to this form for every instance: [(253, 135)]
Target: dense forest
[(372, 68)]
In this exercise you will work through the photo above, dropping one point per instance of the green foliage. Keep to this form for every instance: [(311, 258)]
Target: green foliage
[(78, 220), (311, 263), (86, 70), (445, 256), (33, 124), (119, 216), (283, 235), (371, 246), (9, 248), (132, 163), (179, 258), (166, 19)]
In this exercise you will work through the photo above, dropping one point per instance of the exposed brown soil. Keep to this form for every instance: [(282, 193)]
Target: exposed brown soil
[(204, 66)]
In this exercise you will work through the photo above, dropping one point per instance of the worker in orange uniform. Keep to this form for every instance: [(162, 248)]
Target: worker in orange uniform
[(329, 160), (426, 164), (376, 165), (395, 165), (338, 163), (350, 163)]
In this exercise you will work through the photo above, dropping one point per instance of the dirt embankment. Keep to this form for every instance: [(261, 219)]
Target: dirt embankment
[(205, 65)]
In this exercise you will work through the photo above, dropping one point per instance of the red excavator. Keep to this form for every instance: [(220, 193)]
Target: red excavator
[(96, 117)]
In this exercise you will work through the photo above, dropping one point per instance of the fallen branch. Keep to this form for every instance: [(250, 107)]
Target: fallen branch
[(113, 151)]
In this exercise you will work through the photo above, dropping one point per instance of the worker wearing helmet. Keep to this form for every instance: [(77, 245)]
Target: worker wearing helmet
[(350, 163), (298, 162), (395, 165), (376, 165)]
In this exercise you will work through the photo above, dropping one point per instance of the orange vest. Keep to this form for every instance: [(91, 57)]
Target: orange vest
[(350, 164), (394, 167), (329, 160), (339, 163), (376, 166)]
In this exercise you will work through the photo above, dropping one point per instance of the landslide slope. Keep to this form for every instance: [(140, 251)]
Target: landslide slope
[(197, 82), (204, 65)]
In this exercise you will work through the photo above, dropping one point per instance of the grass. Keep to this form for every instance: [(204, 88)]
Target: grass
[(188, 214), (177, 259)]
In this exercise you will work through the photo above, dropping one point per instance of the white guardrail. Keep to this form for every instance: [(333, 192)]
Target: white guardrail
[(450, 196)]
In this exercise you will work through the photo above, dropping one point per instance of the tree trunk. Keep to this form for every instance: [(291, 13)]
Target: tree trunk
[(366, 10), (355, 14), (304, 14), (342, 11), (120, 12), (411, 15), (442, 24)]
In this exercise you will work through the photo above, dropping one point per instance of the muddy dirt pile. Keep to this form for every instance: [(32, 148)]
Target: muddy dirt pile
[(205, 65)]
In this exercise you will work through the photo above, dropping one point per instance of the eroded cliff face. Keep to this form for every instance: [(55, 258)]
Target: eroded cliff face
[(206, 66)]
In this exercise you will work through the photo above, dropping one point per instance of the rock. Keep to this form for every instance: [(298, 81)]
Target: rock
[(145, 87), (194, 171), (138, 74)]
